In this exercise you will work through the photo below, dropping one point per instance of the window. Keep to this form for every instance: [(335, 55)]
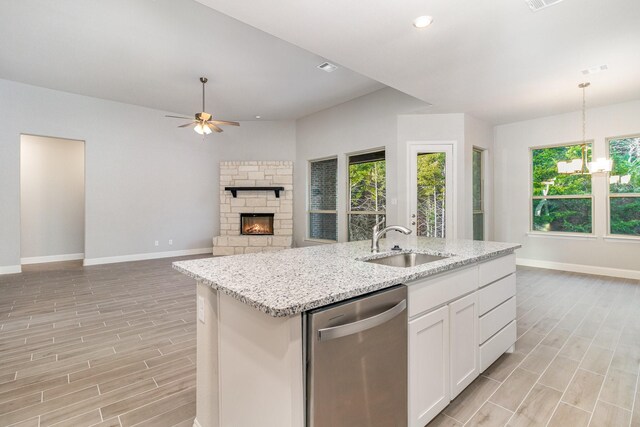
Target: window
[(478, 195), (624, 186), (367, 194), (322, 212), (560, 203)]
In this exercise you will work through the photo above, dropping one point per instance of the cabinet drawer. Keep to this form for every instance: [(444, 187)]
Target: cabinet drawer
[(491, 271), (496, 293), (497, 318), (430, 293), (498, 344)]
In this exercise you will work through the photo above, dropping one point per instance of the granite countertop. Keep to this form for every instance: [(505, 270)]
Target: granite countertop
[(291, 281)]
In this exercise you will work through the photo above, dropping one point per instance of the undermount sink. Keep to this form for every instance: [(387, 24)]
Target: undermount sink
[(410, 259)]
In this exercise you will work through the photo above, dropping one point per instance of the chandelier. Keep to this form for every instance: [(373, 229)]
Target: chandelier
[(581, 166)]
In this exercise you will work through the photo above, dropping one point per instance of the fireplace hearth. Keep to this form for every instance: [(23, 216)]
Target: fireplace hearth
[(256, 224)]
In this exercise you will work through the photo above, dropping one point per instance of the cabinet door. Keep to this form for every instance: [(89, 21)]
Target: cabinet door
[(463, 318), (428, 366)]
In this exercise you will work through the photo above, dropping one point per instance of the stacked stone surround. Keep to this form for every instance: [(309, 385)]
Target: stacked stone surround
[(255, 174)]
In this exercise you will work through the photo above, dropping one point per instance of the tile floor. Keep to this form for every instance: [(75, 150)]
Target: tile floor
[(114, 345), (110, 345), (576, 361)]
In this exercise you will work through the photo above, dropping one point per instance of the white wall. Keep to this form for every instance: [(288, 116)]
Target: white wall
[(512, 190), (146, 179), (52, 197), (361, 124), (479, 134)]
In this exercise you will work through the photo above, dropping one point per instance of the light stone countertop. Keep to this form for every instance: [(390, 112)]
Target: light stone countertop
[(291, 281)]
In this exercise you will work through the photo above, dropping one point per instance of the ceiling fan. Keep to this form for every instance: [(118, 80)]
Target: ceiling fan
[(204, 122)]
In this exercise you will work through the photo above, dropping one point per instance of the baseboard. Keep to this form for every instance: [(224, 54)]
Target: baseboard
[(10, 269), (51, 258), (579, 268), (145, 256)]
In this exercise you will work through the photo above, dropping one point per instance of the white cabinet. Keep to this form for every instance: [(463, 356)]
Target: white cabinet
[(463, 341), (428, 366), (447, 315)]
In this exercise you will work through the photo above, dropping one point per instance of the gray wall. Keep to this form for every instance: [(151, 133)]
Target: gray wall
[(52, 196), (146, 179), (513, 183), (361, 124)]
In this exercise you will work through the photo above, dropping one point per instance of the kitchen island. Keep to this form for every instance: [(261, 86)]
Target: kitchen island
[(251, 361)]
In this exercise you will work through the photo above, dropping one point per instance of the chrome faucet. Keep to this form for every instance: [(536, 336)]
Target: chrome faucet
[(377, 235)]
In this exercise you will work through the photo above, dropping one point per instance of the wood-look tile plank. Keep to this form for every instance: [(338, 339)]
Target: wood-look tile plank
[(583, 390), (83, 420), (538, 360), (597, 359), (489, 415), (471, 399), (537, 408), (504, 366), (619, 388), (567, 415), (606, 415), (514, 389)]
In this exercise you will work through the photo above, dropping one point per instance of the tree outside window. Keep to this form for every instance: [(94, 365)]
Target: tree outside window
[(367, 194), (560, 203), (624, 186)]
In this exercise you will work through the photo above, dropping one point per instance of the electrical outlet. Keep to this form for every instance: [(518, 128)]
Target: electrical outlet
[(157, 243), (201, 309), (170, 242)]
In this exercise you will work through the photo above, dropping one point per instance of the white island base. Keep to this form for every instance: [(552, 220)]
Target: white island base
[(256, 359), (250, 369)]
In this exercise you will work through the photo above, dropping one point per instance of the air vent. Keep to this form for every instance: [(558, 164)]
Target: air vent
[(536, 5), (328, 67)]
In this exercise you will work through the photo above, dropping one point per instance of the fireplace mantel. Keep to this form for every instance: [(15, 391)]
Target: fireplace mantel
[(234, 190)]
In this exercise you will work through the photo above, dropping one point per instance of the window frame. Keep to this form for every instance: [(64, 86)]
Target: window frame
[(310, 211), (482, 152), (609, 194), (535, 232), (348, 210)]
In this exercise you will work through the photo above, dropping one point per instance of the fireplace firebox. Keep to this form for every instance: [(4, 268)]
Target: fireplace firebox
[(256, 224)]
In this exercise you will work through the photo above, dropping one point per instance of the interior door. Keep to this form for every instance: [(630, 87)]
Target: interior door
[(431, 190)]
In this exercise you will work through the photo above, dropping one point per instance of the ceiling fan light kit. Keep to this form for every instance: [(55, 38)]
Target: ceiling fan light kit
[(204, 123)]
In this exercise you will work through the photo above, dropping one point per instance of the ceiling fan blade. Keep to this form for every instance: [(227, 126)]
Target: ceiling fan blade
[(179, 117), (214, 127), (224, 122), (188, 124)]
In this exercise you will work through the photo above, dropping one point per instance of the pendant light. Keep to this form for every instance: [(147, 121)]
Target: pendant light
[(581, 166)]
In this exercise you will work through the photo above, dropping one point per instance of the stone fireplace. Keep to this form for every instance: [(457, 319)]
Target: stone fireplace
[(254, 217)]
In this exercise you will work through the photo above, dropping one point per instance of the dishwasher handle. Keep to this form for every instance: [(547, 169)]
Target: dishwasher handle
[(327, 334)]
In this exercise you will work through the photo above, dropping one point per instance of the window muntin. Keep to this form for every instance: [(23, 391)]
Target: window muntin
[(367, 194), (322, 213), (560, 203), (624, 186)]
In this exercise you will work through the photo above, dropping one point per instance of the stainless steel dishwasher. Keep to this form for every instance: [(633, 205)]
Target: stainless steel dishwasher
[(357, 362)]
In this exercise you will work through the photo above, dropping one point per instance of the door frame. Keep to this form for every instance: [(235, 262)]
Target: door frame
[(451, 181)]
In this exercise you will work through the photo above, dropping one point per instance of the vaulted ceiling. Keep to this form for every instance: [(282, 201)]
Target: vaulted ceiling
[(152, 52), (496, 60)]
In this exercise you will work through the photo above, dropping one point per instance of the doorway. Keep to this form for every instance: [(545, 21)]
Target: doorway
[(431, 190), (52, 199)]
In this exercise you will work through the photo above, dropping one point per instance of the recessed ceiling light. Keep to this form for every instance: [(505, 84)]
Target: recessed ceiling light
[(328, 67), (258, 117), (594, 70), (422, 21)]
